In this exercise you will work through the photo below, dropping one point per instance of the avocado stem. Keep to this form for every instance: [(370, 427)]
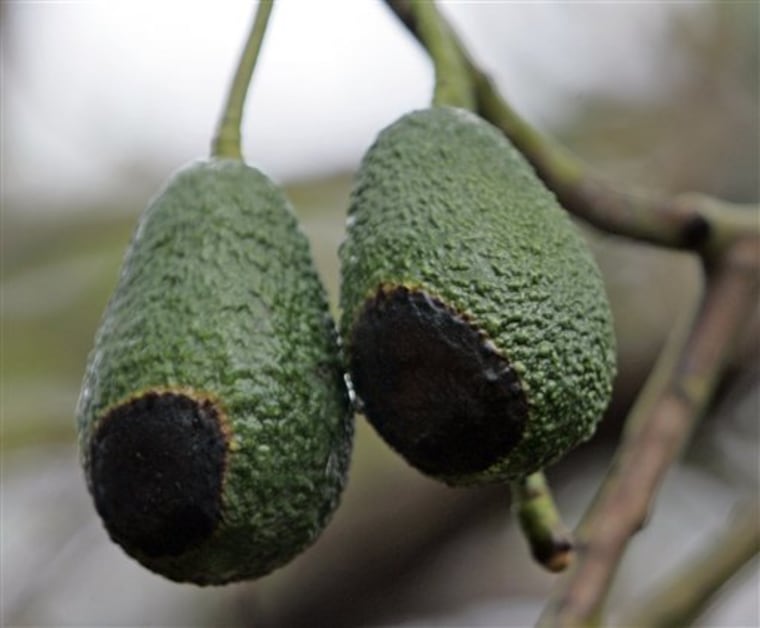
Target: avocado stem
[(453, 85), (226, 142), (550, 541)]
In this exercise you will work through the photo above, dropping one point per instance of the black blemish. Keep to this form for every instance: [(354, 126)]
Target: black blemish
[(432, 386), (157, 465)]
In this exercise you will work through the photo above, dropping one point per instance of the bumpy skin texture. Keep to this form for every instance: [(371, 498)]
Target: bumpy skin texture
[(445, 206), (218, 298)]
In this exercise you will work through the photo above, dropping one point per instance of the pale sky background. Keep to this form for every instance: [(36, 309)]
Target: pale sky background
[(94, 91)]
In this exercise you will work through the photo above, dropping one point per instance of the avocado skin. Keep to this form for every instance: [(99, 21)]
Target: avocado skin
[(218, 299), (445, 206)]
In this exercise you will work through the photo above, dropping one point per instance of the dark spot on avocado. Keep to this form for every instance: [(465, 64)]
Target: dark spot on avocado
[(432, 384), (157, 466)]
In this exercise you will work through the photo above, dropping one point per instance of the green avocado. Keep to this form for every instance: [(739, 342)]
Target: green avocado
[(214, 419), (478, 334)]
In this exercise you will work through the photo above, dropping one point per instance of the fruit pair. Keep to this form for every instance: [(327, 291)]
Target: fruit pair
[(214, 422)]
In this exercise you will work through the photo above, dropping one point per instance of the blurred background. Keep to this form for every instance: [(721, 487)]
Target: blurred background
[(102, 100)]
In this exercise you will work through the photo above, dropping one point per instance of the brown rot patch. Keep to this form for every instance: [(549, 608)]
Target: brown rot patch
[(432, 384), (157, 466)]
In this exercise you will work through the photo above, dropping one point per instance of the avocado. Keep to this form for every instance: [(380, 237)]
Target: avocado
[(214, 419), (477, 330)]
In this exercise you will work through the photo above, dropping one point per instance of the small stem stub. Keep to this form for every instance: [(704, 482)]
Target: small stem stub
[(550, 541)]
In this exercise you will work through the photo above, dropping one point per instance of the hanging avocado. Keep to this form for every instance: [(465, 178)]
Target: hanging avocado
[(214, 422), (478, 333)]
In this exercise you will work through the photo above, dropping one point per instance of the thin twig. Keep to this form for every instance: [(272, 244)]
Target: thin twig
[(550, 541), (690, 590), (226, 142), (656, 434)]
